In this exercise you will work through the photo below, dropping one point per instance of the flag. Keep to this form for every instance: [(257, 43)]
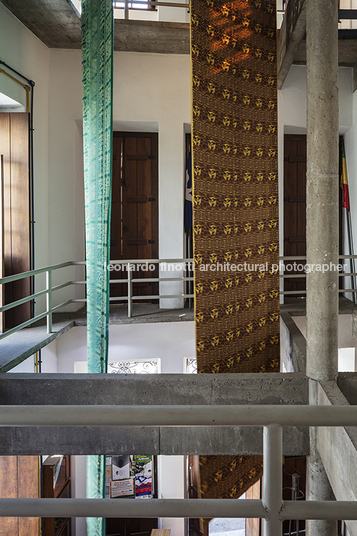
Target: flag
[(188, 194), (344, 180)]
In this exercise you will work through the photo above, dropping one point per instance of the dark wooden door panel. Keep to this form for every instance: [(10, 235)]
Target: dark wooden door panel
[(130, 527), (134, 230), (14, 146), (294, 206)]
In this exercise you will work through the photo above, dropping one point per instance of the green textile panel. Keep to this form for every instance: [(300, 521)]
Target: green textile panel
[(97, 78)]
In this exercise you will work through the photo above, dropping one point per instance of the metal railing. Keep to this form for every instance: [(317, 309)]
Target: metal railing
[(129, 280), (302, 275), (47, 292), (183, 266), (271, 508)]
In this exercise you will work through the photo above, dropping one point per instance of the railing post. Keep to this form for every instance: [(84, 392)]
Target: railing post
[(130, 291), (49, 300), (272, 478), (126, 10)]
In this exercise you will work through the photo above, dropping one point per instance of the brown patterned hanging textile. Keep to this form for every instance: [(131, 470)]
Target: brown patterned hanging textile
[(235, 185)]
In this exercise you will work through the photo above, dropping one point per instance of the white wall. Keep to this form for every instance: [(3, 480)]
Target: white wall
[(22, 51), (169, 341), (149, 89), (171, 470)]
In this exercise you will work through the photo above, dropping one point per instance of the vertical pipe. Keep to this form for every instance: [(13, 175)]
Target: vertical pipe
[(49, 300), (126, 10), (32, 200), (352, 260), (189, 270), (130, 291), (322, 183), (2, 289), (272, 478)]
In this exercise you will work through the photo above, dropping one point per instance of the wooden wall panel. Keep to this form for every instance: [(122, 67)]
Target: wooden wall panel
[(252, 525), (19, 479), (8, 490), (28, 487), (14, 146)]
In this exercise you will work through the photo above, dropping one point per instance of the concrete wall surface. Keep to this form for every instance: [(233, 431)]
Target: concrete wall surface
[(347, 344)]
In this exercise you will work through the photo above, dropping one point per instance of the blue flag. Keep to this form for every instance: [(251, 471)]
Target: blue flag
[(188, 194)]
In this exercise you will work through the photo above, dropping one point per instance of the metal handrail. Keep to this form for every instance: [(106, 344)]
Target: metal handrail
[(271, 507), (48, 291), (130, 281)]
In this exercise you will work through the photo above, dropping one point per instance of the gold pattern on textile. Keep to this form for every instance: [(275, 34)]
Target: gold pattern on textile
[(235, 192)]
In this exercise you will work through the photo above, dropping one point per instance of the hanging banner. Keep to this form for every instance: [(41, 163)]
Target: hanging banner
[(235, 198), (97, 81)]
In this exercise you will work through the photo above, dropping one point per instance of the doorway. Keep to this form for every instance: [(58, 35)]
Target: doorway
[(294, 209), (134, 222), (15, 212)]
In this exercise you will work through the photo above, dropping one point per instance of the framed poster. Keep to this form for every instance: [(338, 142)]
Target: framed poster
[(121, 467)]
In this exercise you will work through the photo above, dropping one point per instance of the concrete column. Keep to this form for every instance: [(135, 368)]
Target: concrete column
[(318, 488), (322, 223), (322, 188)]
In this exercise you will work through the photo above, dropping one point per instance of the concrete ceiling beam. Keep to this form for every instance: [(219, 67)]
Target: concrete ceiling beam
[(290, 35), (153, 389), (57, 25), (170, 441)]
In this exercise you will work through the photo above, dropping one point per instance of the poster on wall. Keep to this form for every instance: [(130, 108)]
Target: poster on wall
[(130, 476), (121, 467), (143, 477), (122, 488)]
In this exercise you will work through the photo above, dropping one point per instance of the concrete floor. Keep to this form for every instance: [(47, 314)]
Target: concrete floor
[(227, 527), (141, 313)]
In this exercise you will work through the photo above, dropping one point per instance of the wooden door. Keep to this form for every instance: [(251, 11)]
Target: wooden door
[(134, 223), (14, 148), (195, 527), (56, 475), (294, 208), (19, 478), (253, 525)]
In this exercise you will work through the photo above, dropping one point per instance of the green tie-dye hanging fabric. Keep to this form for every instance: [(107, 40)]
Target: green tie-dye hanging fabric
[(97, 77)]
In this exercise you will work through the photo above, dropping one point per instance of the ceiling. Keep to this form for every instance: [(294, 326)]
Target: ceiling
[(57, 25)]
